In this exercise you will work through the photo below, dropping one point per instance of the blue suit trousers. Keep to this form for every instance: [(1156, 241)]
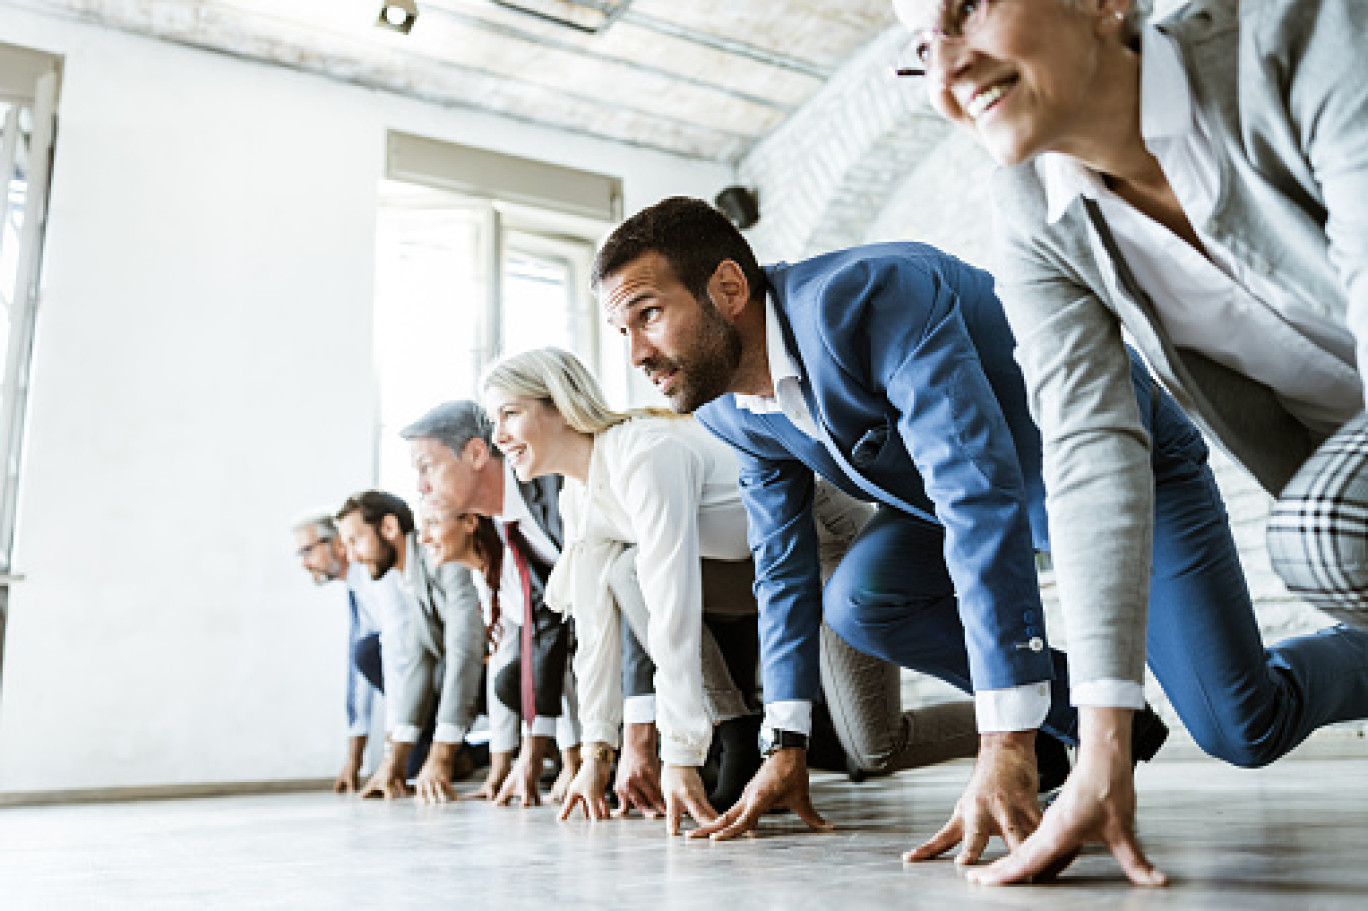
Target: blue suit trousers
[(892, 598)]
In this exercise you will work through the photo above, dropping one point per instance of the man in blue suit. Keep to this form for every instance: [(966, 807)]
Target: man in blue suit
[(888, 370)]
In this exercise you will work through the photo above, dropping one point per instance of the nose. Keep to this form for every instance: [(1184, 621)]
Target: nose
[(639, 350), (949, 57)]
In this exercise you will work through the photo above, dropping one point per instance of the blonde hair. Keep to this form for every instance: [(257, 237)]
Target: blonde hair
[(557, 377)]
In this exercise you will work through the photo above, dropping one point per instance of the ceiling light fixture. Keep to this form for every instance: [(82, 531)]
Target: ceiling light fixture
[(398, 15), (592, 16)]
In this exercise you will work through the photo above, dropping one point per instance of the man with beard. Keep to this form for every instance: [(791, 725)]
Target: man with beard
[(887, 370), (324, 556), (423, 602)]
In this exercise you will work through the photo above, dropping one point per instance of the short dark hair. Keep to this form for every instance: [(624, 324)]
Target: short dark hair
[(374, 505), (692, 236)]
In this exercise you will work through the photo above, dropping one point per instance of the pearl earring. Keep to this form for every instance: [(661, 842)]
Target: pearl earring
[(1118, 15)]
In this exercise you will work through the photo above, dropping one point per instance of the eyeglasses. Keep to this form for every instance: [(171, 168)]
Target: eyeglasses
[(309, 548), (959, 21)]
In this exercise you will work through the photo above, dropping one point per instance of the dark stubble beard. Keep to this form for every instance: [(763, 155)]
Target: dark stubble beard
[(707, 366), (389, 555)]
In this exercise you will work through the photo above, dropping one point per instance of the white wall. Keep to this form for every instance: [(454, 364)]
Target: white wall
[(202, 376)]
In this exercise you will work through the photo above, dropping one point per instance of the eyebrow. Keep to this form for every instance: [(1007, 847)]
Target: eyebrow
[(631, 304)]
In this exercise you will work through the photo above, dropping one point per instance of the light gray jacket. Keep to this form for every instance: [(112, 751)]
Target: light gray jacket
[(447, 656), (1283, 87)]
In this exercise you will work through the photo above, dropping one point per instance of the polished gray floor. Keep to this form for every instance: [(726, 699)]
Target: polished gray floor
[(1294, 836)]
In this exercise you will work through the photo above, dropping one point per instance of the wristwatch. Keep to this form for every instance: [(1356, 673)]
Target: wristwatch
[(775, 739), (599, 751)]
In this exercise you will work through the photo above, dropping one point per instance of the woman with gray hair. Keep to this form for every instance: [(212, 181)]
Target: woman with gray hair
[(664, 484), (1201, 184)]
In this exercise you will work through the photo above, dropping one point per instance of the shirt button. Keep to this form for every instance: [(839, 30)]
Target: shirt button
[(1028, 616), (1036, 644)]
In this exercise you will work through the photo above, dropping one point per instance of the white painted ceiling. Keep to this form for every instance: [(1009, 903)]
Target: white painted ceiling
[(703, 78)]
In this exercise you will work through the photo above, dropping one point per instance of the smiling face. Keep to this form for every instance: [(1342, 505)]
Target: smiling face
[(529, 432), (688, 350), (449, 536), (1024, 74)]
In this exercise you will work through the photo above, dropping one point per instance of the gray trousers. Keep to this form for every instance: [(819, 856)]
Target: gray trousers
[(863, 693), (726, 592)]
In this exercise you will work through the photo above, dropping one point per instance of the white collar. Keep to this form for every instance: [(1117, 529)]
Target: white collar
[(783, 366), (514, 506), (1165, 114)]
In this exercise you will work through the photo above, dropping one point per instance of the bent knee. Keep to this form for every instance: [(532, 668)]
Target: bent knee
[(1242, 749)]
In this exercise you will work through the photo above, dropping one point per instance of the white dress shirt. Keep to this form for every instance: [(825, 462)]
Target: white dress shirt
[(360, 585), (1018, 708), (397, 612), (1211, 303), (669, 487)]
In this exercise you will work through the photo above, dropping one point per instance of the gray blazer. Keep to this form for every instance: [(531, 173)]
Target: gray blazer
[(448, 654), (1283, 86)]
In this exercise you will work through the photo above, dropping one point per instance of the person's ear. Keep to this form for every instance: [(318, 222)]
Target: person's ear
[(476, 452), (389, 528), (1111, 14), (729, 289)]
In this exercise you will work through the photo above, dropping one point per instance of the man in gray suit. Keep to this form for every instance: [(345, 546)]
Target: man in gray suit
[(439, 649), (456, 462)]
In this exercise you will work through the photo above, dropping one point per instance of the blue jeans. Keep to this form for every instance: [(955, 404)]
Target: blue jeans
[(1241, 703), (892, 598)]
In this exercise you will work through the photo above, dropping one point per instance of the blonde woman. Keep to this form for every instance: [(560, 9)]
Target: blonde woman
[(664, 484)]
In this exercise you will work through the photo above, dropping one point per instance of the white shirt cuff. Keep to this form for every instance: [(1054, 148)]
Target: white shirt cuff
[(404, 733), (1016, 708), (542, 726), (360, 729), (790, 715), (597, 732), (449, 733), (678, 755), (1121, 694), (639, 709)]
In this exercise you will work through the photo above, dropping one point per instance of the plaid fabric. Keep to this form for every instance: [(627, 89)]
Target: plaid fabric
[(1318, 531)]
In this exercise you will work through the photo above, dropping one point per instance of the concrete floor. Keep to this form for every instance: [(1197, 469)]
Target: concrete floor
[(1294, 836)]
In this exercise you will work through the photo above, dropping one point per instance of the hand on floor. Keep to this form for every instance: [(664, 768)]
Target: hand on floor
[(521, 785), (1097, 804), (684, 792), (638, 773), (588, 789), (781, 782), (387, 782), (1000, 799), (500, 764)]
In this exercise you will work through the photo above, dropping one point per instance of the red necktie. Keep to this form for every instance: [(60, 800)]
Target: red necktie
[(517, 546)]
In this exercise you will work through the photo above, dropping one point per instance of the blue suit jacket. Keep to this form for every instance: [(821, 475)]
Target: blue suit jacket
[(907, 369)]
